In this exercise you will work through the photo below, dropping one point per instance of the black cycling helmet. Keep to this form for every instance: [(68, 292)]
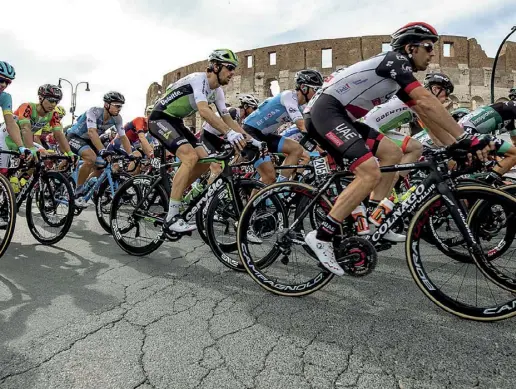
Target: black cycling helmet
[(459, 113), (114, 97), (441, 80), (50, 91), (309, 77), (512, 94), (414, 32)]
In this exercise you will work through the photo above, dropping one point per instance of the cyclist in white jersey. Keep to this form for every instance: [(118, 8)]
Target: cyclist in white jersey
[(186, 96), (332, 115)]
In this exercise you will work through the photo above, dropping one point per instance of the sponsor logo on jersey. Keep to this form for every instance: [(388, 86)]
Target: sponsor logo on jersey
[(358, 82), (170, 97), (391, 112), (389, 63), (292, 110), (393, 74), (401, 57), (406, 68), (343, 89)]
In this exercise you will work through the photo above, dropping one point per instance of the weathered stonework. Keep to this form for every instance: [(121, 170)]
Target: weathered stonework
[(468, 66)]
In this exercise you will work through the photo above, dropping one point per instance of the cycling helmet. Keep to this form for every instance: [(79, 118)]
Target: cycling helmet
[(439, 79), (60, 111), (50, 91), (459, 113), (7, 70), (114, 97), (224, 56), (249, 99), (308, 77), (414, 32), (234, 113), (512, 94)]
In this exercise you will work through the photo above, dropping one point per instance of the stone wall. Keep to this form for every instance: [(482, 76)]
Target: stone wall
[(468, 66)]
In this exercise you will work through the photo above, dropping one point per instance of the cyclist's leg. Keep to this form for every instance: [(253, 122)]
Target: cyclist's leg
[(212, 143), (330, 126), (293, 151), (508, 151), (411, 148)]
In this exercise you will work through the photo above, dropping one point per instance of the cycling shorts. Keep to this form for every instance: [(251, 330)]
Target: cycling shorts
[(171, 132)]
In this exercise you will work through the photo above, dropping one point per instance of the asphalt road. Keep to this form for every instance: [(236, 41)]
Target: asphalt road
[(84, 314)]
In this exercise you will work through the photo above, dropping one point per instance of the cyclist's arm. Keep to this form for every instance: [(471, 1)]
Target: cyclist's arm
[(438, 120), (28, 138), (126, 144), (12, 129), (232, 124), (289, 101), (62, 141), (212, 119), (147, 148)]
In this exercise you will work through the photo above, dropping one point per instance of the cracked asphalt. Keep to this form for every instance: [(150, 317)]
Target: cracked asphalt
[(84, 314)]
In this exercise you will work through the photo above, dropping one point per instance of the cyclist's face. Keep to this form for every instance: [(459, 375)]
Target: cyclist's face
[(422, 54), (4, 83), (48, 105), (440, 93), (114, 108), (226, 73)]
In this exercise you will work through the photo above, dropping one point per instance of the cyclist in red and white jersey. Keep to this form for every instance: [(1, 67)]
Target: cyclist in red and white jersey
[(332, 115)]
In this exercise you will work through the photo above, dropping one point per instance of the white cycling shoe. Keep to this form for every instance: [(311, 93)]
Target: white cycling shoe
[(324, 252)]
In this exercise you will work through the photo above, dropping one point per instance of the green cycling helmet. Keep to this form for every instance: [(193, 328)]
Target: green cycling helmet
[(459, 113), (224, 56)]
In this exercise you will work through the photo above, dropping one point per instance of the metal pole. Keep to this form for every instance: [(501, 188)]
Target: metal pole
[(74, 97), (496, 61)]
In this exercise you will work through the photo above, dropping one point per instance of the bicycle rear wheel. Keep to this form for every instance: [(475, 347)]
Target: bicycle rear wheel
[(468, 289), (7, 213)]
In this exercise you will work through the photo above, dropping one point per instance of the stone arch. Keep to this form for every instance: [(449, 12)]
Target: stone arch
[(270, 82), (477, 102), (455, 101), (502, 100)]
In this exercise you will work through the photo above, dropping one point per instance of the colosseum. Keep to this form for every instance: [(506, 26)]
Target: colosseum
[(461, 58)]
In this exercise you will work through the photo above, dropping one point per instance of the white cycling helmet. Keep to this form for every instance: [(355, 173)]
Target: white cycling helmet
[(249, 99)]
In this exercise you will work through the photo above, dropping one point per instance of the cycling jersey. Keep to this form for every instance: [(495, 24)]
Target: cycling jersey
[(386, 118), (27, 113), (364, 85), (293, 133), (495, 117), (6, 103), (181, 98), (348, 95), (134, 128), (275, 111), (94, 118)]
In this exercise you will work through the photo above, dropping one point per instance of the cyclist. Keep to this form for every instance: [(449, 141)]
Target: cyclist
[(84, 138), (275, 111), (248, 104), (332, 115), (184, 97), (10, 127), (33, 117), (512, 94), (459, 113)]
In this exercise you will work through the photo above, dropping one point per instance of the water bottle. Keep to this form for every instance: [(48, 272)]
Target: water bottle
[(196, 189)]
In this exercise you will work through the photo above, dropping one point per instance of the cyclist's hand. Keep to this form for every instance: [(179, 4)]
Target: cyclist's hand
[(472, 144), (236, 139), (25, 153)]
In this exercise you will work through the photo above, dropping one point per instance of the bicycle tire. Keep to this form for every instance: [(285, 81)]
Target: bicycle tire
[(118, 200), (221, 250), (9, 207), (37, 196), (100, 204), (425, 284), (254, 268)]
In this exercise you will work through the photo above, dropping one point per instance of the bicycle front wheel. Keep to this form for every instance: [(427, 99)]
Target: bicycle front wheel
[(463, 288), (7, 213)]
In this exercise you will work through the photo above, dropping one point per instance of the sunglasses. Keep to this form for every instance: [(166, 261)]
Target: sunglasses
[(119, 106), (429, 47), (5, 81), (52, 100), (229, 66)]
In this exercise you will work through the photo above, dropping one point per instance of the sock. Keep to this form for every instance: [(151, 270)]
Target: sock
[(173, 209), (281, 178), (327, 229)]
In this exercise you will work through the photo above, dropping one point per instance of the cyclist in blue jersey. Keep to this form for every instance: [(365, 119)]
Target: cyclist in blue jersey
[(7, 75), (263, 123), (84, 138)]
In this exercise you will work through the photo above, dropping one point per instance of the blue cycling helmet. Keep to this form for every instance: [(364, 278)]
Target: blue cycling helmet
[(7, 70)]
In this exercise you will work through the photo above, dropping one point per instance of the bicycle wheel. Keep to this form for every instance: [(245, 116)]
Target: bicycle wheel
[(7, 213), (222, 221), (103, 198), (138, 231), (459, 287), (284, 266), (52, 197)]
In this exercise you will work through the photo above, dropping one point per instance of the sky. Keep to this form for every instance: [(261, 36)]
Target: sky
[(125, 45)]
